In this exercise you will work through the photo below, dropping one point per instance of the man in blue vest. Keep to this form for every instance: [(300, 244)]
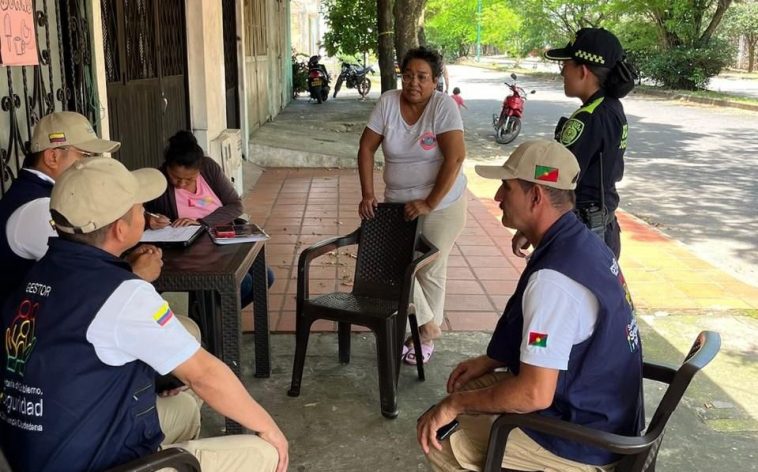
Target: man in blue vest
[(85, 337), (58, 140), (567, 345)]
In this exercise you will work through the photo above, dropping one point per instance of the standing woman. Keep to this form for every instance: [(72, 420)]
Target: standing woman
[(594, 70), (198, 193), (421, 134)]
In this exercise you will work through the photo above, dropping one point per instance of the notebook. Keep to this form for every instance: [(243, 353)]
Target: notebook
[(235, 234), (181, 236)]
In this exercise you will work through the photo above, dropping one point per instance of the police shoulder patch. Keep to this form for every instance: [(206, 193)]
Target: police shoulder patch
[(571, 131)]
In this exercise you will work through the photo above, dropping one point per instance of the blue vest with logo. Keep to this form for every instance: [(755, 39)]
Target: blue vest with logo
[(602, 386), (25, 188), (63, 409)]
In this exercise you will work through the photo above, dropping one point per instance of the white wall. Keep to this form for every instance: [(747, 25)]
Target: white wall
[(205, 69)]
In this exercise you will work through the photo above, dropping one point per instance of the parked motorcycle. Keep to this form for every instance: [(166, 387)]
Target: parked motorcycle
[(354, 76), (318, 79), (508, 124)]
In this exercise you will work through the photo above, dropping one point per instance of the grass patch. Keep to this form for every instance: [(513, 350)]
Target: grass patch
[(705, 94), (739, 74)]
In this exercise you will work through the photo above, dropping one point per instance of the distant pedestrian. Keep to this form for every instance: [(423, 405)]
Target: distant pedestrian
[(458, 99)]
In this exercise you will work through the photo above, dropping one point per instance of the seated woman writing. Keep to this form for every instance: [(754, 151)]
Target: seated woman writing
[(198, 193)]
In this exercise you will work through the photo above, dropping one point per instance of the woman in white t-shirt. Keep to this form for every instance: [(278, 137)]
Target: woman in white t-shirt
[(421, 134)]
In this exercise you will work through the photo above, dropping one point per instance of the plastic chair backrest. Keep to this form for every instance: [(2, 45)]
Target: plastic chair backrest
[(703, 350), (385, 248)]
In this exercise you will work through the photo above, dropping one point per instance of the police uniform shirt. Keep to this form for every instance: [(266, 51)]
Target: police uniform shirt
[(599, 126)]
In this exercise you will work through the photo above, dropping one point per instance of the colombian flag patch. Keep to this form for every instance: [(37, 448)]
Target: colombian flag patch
[(546, 174), (57, 137), (537, 339), (163, 315)]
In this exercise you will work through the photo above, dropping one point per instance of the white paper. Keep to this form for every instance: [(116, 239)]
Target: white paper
[(169, 234)]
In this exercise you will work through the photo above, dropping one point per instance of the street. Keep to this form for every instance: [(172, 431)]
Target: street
[(690, 169)]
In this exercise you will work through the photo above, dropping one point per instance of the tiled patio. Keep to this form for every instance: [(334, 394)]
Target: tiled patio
[(299, 207)]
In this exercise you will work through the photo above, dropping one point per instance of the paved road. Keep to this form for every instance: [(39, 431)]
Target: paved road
[(690, 169), (736, 86)]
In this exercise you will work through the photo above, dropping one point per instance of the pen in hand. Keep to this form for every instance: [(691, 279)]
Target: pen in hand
[(159, 219)]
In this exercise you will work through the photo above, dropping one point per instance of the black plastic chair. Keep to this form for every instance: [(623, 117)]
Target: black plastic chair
[(175, 458), (380, 299), (639, 452)]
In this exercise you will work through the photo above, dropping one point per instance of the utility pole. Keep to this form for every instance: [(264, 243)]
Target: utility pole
[(478, 29)]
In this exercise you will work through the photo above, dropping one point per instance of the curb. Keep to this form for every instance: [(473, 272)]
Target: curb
[(704, 101), (672, 95)]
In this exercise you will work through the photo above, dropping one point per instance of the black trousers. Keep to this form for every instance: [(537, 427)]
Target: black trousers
[(613, 237)]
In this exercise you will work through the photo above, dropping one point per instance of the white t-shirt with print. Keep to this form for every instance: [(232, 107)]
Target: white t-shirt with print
[(136, 323), (558, 313), (411, 155)]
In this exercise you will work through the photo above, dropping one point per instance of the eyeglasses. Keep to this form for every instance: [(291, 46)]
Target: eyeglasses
[(84, 154), (421, 78)]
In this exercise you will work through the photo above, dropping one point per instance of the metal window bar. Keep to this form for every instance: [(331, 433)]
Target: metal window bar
[(61, 81)]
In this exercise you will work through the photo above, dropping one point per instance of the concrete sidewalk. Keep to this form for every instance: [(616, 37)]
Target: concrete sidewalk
[(337, 414)]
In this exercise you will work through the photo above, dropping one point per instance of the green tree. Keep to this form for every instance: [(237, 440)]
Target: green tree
[(554, 22), (742, 21), (502, 28), (451, 25), (351, 27), (686, 53)]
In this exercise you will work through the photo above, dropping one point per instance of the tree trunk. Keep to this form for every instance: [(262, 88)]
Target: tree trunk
[(421, 31), (751, 53), (384, 46), (407, 14), (723, 5)]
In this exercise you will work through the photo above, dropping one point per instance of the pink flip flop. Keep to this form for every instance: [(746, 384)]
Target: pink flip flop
[(406, 350), (426, 351)]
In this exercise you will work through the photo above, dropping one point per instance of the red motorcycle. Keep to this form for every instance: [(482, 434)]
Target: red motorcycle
[(508, 124)]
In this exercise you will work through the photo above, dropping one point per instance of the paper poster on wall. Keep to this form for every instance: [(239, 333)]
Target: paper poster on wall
[(18, 43)]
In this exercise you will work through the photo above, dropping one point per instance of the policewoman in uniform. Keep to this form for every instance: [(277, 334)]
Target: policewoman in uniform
[(594, 69)]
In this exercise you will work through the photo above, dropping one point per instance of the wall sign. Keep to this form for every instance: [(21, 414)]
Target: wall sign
[(18, 41)]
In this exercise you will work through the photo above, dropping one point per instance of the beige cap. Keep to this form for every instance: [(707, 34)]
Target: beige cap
[(95, 192), (542, 161), (67, 128)]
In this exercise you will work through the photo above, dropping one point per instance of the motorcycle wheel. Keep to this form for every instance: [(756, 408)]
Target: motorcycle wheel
[(324, 94), (508, 131), (364, 87)]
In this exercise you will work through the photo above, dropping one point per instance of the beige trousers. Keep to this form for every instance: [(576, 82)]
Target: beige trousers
[(238, 453), (441, 228), (179, 417), (466, 449)]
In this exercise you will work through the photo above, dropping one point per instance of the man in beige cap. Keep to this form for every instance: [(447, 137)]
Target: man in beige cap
[(58, 140), (85, 337), (567, 339)]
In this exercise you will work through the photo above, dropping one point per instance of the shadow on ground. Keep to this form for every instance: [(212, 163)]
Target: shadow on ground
[(336, 425)]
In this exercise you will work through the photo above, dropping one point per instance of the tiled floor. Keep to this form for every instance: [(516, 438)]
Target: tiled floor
[(299, 207)]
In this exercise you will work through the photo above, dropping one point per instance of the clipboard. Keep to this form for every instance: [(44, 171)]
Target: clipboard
[(172, 237)]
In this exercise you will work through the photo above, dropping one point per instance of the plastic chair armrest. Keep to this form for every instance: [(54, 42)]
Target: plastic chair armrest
[(658, 373), (316, 250), (616, 443)]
